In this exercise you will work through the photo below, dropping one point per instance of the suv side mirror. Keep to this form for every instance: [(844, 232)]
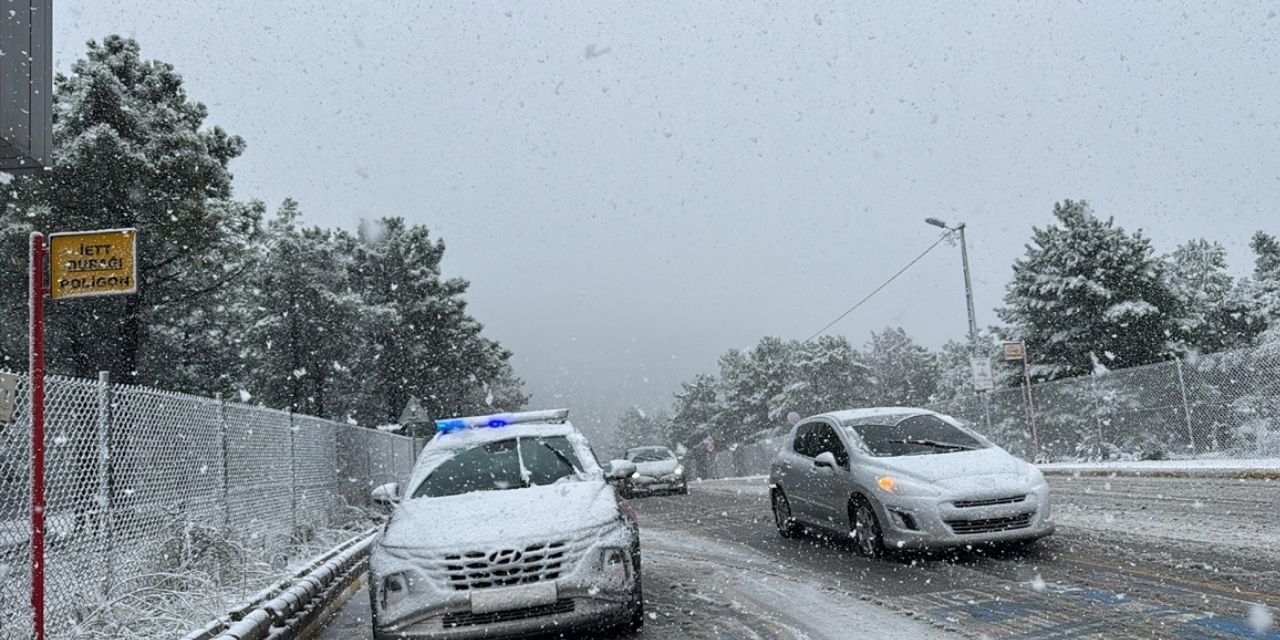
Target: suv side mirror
[(386, 494), (825, 459), (621, 469)]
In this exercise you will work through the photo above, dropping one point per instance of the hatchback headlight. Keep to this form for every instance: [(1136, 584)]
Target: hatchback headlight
[(679, 470), (904, 488), (1034, 475)]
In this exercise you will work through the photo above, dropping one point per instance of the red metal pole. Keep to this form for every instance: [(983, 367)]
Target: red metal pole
[(37, 292)]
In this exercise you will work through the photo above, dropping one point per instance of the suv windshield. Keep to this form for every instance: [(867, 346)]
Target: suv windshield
[(505, 464), (915, 436), (650, 455)]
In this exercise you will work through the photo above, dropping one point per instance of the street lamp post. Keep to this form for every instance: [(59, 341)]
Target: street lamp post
[(968, 285)]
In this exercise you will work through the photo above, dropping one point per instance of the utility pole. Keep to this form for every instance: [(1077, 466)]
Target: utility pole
[(968, 283), (968, 290)]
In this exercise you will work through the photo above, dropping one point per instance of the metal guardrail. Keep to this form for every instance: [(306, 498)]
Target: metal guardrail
[(296, 604)]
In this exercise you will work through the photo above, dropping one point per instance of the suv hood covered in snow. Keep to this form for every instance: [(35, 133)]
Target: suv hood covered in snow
[(512, 514)]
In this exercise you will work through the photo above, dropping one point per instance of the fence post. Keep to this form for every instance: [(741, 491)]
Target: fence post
[(986, 408), (223, 463), (1097, 412), (1186, 406), (293, 480), (105, 520)]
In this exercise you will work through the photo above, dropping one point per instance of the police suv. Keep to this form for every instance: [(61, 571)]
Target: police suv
[(507, 527)]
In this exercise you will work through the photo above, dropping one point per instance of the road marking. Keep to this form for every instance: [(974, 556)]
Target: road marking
[(1162, 577)]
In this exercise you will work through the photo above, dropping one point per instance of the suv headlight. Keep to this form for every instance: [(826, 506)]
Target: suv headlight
[(615, 568), (393, 590)]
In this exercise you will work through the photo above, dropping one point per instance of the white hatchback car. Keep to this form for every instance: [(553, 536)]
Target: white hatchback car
[(900, 477), (507, 528)]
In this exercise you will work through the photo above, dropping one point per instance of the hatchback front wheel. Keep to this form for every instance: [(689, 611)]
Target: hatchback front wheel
[(865, 528)]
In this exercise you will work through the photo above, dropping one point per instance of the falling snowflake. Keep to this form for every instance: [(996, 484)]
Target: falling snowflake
[(1260, 618)]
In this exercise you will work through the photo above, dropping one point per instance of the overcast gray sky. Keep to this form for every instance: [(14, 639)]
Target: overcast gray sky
[(633, 190)]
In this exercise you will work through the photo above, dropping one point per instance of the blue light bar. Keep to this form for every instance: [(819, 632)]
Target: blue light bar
[(553, 416)]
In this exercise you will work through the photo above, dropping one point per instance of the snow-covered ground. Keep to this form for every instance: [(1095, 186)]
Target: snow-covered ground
[(768, 597), (1258, 466)]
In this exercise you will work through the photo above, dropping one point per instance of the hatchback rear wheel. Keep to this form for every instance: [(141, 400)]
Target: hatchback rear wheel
[(782, 518)]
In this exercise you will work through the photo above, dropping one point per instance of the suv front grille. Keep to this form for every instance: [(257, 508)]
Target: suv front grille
[(965, 504), (506, 567), (990, 525), (469, 619)]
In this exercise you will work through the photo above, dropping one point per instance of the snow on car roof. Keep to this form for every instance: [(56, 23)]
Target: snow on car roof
[(654, 447), (850, 416)]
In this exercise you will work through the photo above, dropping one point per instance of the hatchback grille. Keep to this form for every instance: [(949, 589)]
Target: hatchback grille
[(469, 619), (965, 504), (506, 567), (990, 525)]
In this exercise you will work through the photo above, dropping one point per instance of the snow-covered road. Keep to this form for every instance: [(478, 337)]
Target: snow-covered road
[(1133, 557), (1187, 558)]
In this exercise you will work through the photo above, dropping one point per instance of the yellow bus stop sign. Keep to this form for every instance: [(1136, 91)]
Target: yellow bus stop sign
[(93, 263)]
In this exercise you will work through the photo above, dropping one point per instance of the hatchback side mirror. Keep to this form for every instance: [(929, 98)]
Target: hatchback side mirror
[(825, 459), (386, 494), (621, 469)]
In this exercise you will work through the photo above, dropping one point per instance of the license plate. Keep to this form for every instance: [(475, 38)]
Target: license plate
[(517, 597)]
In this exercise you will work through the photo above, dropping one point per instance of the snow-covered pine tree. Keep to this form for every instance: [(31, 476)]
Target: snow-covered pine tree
[(636, 428), (132, 151), (906, 373), (1265, 290), (415, 334), (304, 316), (1087, 288), (697, 404), (827, 374), (1215, 315)]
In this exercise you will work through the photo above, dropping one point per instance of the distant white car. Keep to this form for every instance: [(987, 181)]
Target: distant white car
[(899, 477), (658, 470), (507, 528)]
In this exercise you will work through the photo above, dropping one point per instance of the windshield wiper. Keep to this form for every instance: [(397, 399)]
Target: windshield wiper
[(935, 444), (563, 458)]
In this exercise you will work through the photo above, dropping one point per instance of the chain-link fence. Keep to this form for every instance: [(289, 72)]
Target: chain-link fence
[(144, 487), (1225, 405)]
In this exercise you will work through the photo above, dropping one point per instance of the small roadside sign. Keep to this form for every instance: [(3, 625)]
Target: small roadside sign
[(983, 378), (8, 396), (1014, 351), (93, 263), (413, 412)]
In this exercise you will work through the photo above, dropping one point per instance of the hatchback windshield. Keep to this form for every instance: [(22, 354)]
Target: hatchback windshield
[(650, 455), (915, 436), (505, 464)]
